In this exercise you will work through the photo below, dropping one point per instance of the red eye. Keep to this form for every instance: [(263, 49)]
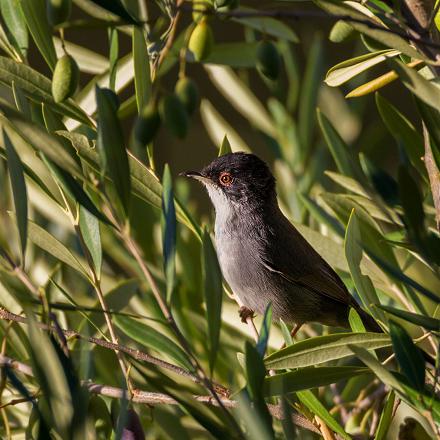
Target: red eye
[(226, 179)]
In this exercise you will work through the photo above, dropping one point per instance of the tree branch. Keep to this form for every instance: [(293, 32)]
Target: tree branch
[(151, 398), (139, 355)]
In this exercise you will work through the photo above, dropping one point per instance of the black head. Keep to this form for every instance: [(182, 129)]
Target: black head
[(241, 177)]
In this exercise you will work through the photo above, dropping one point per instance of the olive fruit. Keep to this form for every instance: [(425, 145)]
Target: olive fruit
[(201, 41), (147, 124), (173, 114), (65, 78), (268, 60), (187, 91), (58, 11)]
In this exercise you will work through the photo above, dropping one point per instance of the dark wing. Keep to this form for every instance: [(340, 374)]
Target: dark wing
[(297, 262)]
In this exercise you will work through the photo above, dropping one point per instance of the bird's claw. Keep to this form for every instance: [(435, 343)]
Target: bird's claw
[(245, 313)]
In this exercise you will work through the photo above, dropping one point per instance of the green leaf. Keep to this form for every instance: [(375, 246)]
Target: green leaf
[(385, 418), (149, 337), (15, 21), (267, 25), (308, 399), (385, 37), (423, 321), (353, 253), (308, 95), (225, 147), (264, 331), (34, 12), (38, 88), (403, 131), (169, 226), (117, 8), (89, 226), (110, 145), (18, 191), (288, 340), (41, 238), (400, 276), (427, 91), (51, 377), (213, 289), (355, 321), (307, 378), (255, 374), (38, 137), (142, 79), (320, 349), (431, 118), (337, 146), (21, 102), (72, 188), (408, 356), (113, 57), (348, 69), (377, 368)]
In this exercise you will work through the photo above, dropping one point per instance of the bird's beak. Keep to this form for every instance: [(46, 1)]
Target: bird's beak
[(195, 175)]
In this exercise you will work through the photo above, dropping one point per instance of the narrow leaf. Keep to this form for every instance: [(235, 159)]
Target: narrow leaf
[(264, 331), (408, 355), (168, 232), (110, 144), (89, 226), (307, 378), (225, 147), (386, 417), (142, 79), (34, 12), (212, 288), (18, 191), (151, 338), (320, 349), (423, 321)]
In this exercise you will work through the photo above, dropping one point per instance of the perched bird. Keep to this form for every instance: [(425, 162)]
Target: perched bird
[(263, 257)]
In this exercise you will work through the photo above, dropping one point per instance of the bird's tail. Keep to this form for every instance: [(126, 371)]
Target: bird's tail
[(370, 324)]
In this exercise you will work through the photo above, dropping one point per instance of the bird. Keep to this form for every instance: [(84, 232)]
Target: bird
[(263, 257)]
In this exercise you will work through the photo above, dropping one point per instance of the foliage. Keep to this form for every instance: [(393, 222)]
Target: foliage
[(114, 320)]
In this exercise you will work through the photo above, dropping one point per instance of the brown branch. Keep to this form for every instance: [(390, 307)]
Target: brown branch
[(151, 398), (139, 355)]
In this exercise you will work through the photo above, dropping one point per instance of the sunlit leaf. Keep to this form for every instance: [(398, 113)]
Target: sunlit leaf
[(423, 321), (142, 79), (320, 349), (15, 21), (151, 338), (168, 232), (307, 378), (89, 226)]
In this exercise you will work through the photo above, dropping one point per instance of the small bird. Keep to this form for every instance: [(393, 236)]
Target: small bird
[(262, 256)]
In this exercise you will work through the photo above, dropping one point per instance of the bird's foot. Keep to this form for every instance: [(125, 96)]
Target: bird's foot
[(245, 313)]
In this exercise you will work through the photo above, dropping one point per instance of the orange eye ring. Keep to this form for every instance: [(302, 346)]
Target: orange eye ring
[(225, 179)]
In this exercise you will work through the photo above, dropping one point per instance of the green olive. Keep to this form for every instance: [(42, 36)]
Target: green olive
[(268, 60), (58, 11), (173, 114), (187, 91), (147, 124), (65, 78), (201, 41)]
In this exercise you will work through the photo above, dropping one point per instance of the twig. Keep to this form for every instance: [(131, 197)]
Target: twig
[(171, 37), (150, 398), (296, 15), (139, 355)]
